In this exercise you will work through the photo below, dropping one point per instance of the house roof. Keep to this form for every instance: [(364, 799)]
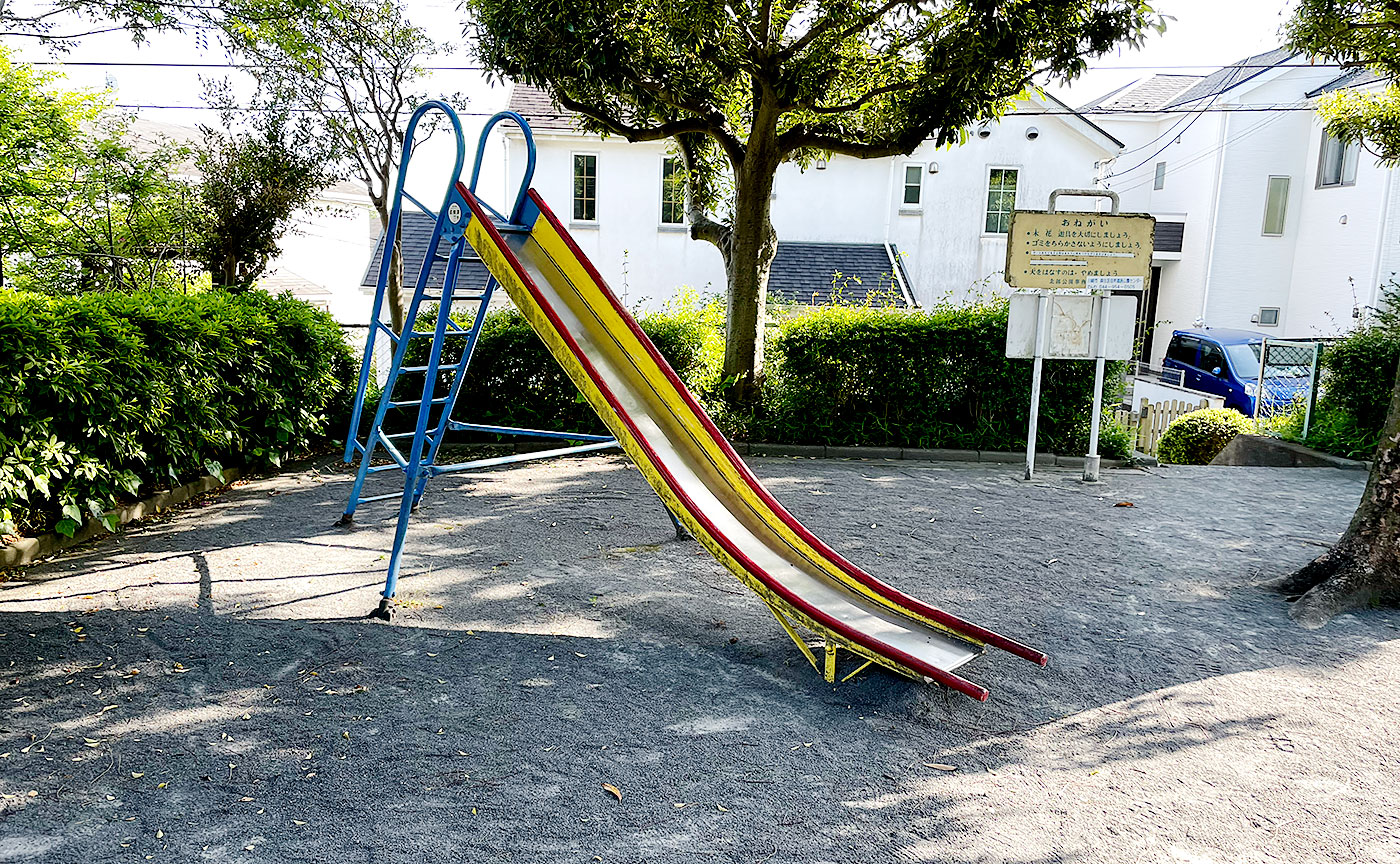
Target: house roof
[(415, 231), (1145, 94), (824, 274), (1230, 77), (816, 273), (1350, 78), (536, 106)]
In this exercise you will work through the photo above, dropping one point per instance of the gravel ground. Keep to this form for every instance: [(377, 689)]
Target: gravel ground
[(204, 687)]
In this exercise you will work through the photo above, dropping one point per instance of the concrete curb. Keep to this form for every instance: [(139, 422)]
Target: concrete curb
[(915, 454), (27, 550)]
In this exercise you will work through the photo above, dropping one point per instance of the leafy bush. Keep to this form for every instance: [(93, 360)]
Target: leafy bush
[(1360, 375), (105, 396), (1198, 437), (934, 378)]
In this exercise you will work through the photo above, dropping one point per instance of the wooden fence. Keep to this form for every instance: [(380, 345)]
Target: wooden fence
[(1150, 420)]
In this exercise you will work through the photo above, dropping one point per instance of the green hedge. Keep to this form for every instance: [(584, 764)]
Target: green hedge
[(934, 378), (1358, 376), (107, 396), (836, 375)]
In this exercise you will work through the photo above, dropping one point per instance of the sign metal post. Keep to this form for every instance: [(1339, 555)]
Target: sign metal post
[(1078, 252)]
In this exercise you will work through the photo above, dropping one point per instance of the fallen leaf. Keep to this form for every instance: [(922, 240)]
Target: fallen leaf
[(613, 790), (722, 808), (298, 822), (1124, 504), (137, 774), (940, 766)]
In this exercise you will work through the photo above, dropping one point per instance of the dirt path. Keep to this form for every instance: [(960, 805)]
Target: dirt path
[(204, 688)]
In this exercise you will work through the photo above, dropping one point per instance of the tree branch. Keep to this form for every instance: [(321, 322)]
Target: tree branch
[(731, 145), (822, 27)]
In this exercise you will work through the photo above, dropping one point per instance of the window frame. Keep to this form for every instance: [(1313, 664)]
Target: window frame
[(905, 186), (1283, 214), (573, 190), (1159, 176), (986, 199), (1346, 171), (679, 204), (1278, 315)]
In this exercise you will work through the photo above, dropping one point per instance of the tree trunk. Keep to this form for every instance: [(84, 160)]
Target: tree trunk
[(752, 245), (394, 293), (228, 271), (1364, 567)]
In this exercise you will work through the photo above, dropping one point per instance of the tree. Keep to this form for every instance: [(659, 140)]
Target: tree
[(1364, 565), (352, 64), (252, 185), (743, 86), (82, 206)]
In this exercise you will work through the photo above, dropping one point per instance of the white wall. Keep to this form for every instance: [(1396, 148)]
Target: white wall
[(643, 261), (1335, 265), (850, 201)]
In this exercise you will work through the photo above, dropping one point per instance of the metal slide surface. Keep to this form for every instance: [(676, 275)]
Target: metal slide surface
[(699, 476)]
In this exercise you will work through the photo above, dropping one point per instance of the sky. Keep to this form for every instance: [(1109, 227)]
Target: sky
[(1204, 35)]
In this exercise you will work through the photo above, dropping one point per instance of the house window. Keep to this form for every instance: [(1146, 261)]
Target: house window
[(1159, 176), (585, 187), (672, 191), (913, 185), (1268, 317), (1276, 206), (1001, 199), (1336, 162)]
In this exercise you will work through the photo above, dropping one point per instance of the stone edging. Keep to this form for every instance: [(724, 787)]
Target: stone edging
[(27, 550), (822, 451)]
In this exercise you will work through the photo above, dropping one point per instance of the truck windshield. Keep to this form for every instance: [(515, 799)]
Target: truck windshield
[(1244, 359)]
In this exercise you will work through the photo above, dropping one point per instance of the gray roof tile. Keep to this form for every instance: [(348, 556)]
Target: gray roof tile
[(1147, 94), (415, 230), (536, 106), (855, 274), (1231, 76)]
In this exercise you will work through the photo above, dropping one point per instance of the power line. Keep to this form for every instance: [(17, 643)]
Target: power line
[(204, 65), (1096, 112), (162, 65)]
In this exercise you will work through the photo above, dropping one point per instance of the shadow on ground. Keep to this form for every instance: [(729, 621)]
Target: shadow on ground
[(206, 690)]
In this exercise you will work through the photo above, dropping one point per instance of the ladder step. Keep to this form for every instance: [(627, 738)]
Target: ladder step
[(440, 400), (457, 367)]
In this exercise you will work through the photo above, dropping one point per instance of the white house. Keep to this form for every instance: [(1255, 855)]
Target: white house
[(914, 229), (1283, 230)]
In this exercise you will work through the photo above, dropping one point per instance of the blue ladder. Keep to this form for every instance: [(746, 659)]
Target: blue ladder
[(434, 414)]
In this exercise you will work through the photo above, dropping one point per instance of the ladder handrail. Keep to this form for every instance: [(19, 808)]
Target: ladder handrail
[(391, 232), (519, 206)]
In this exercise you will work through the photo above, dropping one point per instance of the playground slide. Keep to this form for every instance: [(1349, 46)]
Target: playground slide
[(695, 471)]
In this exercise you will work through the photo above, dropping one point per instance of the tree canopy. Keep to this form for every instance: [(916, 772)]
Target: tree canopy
[(83, 204), (252, 185), (745, 85), (354, 65), (1359, 34)]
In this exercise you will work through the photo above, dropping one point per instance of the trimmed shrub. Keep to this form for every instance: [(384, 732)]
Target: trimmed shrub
[(108, 396), (1198, 437), (935, 378)]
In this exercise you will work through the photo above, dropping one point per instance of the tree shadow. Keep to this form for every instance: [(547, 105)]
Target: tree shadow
[(554, 639)]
